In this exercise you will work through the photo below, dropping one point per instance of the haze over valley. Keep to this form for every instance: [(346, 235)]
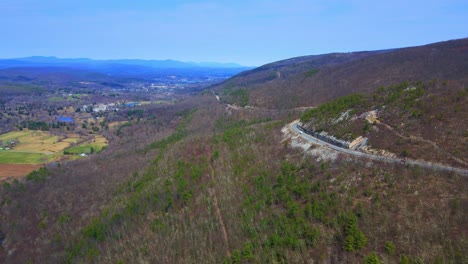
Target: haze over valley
[(355, 154)]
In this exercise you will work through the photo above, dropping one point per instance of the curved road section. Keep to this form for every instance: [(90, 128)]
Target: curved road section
[(294, 127)]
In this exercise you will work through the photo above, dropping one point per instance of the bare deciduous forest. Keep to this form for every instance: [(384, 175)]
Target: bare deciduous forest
[(204, 181)]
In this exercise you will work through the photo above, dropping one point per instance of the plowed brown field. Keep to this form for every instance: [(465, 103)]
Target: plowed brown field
[(16, 170)]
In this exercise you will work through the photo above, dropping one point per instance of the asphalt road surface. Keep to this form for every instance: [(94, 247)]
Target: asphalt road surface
[(294, 127)]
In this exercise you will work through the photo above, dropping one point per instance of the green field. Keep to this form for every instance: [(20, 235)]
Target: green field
[(35, 147), (86, 149), (39, 147), (28, 136), (13, 135), (11, 157)]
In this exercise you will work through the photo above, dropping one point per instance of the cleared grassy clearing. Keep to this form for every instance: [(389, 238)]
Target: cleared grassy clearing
[(32, 147), (116, 124), (30, 136), (86, 149), (100, 140), (14, 135), (42, 147), (12, 157), (72, 139), (35, 141), (38, 147), (91, 146)]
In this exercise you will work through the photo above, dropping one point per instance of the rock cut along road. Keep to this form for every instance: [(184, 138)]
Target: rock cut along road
[(294, 127)]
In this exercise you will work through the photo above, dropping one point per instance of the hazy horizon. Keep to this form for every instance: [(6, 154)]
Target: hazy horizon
[(249, 33), (123, 59)]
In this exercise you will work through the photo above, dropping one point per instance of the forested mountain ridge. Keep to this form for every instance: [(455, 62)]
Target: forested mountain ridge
[(202, 181), (310, 80)]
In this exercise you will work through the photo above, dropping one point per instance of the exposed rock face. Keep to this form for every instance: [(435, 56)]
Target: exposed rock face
[(358, 143)]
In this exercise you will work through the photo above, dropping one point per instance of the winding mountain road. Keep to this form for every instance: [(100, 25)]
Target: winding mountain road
[(294, 127)]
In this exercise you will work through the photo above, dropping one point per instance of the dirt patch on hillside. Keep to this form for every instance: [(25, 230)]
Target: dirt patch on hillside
[(16, 170), (317, 152)]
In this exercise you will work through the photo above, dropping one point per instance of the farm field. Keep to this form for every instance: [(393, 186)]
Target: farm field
[(13, 157), (88, 147), (72, 139), (33, 148), (16, 170), (33, 141)]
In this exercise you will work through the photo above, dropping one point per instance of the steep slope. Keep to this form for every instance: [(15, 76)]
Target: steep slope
[(224, 185), (205, 182), (406, 120), (307, 81)]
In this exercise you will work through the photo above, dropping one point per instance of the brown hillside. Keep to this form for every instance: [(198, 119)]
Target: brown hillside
[(308, 81), (200, 181)]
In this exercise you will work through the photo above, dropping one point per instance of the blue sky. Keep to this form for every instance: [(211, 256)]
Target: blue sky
[(243, 31)]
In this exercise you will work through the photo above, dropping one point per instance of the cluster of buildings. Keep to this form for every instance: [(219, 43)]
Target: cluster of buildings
[(107, 107), (7, 145), (99, 107)]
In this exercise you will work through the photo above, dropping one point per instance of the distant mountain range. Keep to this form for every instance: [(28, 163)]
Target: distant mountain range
[(41, 61), (31, 66)]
